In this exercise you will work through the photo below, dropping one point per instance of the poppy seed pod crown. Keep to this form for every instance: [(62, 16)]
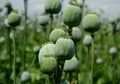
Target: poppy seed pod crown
[(72, 16), (13, 19), (64, 48), (52, 6), (91, 23)]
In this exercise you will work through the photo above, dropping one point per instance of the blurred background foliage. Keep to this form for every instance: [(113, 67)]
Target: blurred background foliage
[(104, 67)]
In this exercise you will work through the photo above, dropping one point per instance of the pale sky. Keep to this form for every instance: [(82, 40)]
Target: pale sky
[(111, 7)]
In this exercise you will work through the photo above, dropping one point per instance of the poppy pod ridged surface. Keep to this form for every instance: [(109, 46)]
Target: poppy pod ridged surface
[(13, 19), (91, 23), (64, 48), (76, 34), (43, 20), (87, 40), (71, 65), (48, 65), (53, 6), (72, 16), (56, 34), (46, 50)]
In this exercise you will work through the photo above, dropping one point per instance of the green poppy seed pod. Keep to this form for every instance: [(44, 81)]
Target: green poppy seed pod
[(99, 60), (72, 16), (46, 50), (64, 49), (43, 20), (6, 23), (87, 40), (113, 51), (64, 81), (91, 23), (13, 19), (52, 6), (1, 9), (7, 4), (48, 65), (2, 39), (71, 65), (76, 34), (9, 7), (112, 21), (25, 77), (56, 34)]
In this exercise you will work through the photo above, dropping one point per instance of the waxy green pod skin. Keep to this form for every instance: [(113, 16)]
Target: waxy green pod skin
[(46, 50), (87, 40), (13, 19), (64, 49), (1, 9), (76, 34), (72, 16), (91, 23), (52, 6), (48, 65), (56, 34), (43, 20), (113, 51), (71, 65), (25, 77), (7, 4)]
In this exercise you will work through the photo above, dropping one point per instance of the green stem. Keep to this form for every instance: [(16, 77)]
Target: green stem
[(10, 56), (76, 50), (59, 74), (87, 65), (83, 3), (25, 35), (77, 58), (46, 35), (46, 80), (87, 56), (114, 79), (14, 52), (51, 80), (32, 62), (92, 60), (70, 76)]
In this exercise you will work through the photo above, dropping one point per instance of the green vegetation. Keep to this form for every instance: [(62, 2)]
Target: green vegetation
[(70, 46)]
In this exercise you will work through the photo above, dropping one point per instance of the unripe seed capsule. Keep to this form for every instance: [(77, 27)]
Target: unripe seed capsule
[(25, 77), (46, 50), (91, 23), (87, 40), (1, 9), (113, 51), (71, 65), (6, 24), (52, 6), (43, 20), (64, 48), (76, 33), (72, 16), (48, 65), (13, 19), (56, 34)]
